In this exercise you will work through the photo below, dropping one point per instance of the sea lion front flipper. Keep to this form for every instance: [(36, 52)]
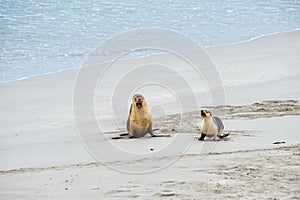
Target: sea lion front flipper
[(117, 138), (131, 136), (165, 135), (125, 134), (202, 137)]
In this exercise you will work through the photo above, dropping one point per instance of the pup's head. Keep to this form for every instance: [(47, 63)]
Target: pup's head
[(205, 113), (138, 101)]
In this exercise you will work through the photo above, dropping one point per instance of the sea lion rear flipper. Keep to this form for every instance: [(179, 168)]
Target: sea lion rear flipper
[(224, 135)]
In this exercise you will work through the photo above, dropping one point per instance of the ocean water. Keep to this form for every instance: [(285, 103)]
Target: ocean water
[(41, 37)]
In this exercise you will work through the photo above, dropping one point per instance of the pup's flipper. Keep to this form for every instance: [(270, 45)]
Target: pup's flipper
[(224, 135)]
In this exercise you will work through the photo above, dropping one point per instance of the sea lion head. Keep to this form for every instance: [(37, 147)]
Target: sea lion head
[(205, 113), (138, 100)]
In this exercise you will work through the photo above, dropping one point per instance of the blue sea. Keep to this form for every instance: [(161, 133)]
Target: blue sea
[(40, 37)]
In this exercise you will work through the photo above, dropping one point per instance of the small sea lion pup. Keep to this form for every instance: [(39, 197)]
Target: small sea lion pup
[(139, 121), (211, 126)]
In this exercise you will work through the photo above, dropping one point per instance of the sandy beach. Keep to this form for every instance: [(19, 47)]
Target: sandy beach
[(44, 157)]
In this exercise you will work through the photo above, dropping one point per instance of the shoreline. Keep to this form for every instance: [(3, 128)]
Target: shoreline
[(254, 38), (205, 48)]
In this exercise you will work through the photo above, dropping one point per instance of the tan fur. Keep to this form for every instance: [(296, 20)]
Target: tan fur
[(139, 121), (208, 127), (206, 124)]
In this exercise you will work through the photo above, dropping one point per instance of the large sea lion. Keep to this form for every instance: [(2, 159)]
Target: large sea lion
[(139, 121), (211, 126)]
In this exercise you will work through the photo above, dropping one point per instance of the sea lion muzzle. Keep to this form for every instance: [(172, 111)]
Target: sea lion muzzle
[(139, 103)]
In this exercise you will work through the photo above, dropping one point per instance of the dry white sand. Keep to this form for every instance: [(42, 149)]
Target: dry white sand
[(42, 156)]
